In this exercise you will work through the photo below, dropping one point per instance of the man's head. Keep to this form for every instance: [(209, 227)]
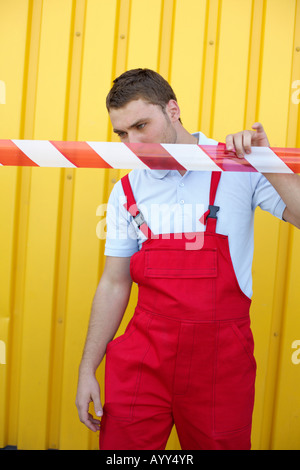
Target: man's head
[(142, 84), (143, 107)]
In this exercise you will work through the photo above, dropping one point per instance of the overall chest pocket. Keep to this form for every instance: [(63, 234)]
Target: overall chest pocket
[(181, 264)]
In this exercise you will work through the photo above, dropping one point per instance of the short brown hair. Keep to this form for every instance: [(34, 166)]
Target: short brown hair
[(140, 84)]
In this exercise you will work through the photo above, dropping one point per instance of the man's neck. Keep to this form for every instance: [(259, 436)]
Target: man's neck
[(184, 137)]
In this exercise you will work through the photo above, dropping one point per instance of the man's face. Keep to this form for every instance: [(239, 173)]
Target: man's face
[(142, 122)]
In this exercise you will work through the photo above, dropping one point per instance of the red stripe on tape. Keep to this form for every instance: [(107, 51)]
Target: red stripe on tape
[(80, 154), (290, 156), (155, 157), (11, 155), (227, 161)]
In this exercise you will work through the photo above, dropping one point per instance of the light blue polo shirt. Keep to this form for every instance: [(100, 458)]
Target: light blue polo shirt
[(172, 203)]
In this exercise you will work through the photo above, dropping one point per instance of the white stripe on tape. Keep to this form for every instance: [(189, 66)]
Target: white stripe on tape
[(264, 160), (43, 153), (117, 155), (191, 157)]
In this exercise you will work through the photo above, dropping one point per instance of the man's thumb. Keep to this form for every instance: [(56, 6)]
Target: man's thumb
[(97, 406)]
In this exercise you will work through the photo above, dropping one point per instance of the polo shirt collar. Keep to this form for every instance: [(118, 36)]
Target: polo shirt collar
[(159, 174)]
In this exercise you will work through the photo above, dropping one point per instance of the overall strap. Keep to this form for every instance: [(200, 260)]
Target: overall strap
[(131, 207), (210, 216)]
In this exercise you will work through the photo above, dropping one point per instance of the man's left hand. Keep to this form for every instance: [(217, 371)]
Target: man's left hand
[(242, 141)]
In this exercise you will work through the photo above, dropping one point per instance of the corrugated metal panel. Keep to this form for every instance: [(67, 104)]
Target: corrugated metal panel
[(231, 63)]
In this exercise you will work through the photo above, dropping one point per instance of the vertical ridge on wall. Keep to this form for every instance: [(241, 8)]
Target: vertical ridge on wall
[(31, 68), (256, 39), (64, 217), (168, 9), (277, 336), (209, 65), (75, 69), (21, 214), (16, 326), (293, 134), (260, 58), (121, 37)]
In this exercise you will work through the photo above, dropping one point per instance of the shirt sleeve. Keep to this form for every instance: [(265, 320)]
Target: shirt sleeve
[(121, 237), (266, 197)]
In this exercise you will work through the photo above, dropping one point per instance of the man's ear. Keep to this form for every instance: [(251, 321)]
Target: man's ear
[(173, 110)]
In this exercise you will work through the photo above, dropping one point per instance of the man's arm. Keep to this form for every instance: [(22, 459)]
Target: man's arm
[(287, 185), (109, 304)]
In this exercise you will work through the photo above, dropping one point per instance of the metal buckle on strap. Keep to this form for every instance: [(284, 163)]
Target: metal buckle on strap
[(213, 211), (139, 219)]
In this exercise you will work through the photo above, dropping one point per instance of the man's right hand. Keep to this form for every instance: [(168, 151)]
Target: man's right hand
[(88, 391)]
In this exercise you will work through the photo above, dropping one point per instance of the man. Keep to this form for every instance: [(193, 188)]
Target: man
[(187, 354)]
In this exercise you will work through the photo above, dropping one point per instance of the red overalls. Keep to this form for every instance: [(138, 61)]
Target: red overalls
[(187, 354)]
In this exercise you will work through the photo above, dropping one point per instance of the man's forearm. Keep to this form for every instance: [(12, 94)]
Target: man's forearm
[(288, 187), (109, 304)]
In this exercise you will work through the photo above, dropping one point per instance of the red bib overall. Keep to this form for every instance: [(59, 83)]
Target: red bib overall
[(186, 356)]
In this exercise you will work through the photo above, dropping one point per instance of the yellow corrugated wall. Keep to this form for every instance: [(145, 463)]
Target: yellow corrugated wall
[(231, 63)]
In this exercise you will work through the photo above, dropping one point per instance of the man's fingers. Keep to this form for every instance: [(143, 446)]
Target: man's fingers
[(258, 127), (240, 142), (235, 142), (97, 405), (89, 391), (229, 142), (86, 417), (91, 423), (260, 138), (247, 138)]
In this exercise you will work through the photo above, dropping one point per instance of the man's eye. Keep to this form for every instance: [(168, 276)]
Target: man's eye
[(141, 126)]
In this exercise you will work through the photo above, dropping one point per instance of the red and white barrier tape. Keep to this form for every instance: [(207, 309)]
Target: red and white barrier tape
[(45, 153)]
